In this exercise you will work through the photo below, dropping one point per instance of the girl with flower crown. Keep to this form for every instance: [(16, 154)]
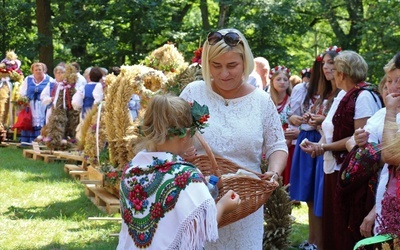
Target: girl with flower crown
[(280, 91), (165, 203), (305, 75), (310, 103)]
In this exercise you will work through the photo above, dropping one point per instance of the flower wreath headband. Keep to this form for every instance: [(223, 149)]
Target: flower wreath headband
[(200, 115), (330, 48), (304, 71), (279, 68)]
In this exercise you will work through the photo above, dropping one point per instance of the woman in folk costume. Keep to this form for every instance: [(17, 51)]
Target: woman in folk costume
[(349, 111), (92, 94), (31, 88), (49, 94), (389, 219), (303, 168), (165, 203)]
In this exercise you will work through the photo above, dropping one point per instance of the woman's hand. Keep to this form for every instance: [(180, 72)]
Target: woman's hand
[(296, 120), (312, 148), (368, 222), (392, 101), (361, 137), (270, 175), (306, 117), (291, 133), (316, 120)]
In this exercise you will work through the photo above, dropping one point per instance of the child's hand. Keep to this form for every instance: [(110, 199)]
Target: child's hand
[(229, 201)]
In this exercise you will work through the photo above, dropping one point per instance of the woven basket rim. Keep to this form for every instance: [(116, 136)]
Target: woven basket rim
[(248, 188)]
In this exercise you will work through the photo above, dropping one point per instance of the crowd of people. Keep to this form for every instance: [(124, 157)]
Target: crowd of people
[(40, 94), (329, 133), (323, 135)]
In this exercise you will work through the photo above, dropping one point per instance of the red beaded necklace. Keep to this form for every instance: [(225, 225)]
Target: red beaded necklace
[(282, 104)]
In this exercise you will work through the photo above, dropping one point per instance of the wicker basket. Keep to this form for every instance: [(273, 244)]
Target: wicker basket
[(253, 192)]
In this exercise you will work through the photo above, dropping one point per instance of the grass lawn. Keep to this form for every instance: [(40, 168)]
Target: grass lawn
[(42, 207)]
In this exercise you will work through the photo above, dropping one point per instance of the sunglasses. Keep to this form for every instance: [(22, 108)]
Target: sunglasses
[(230, 38)]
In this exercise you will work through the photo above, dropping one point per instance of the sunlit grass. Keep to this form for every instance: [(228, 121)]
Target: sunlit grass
[(41, 207), (300, 226)]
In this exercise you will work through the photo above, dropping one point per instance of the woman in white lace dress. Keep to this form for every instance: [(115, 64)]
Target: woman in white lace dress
[(244, 122)]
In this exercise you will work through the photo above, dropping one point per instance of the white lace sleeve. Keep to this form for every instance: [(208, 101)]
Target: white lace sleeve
[(274, 138)]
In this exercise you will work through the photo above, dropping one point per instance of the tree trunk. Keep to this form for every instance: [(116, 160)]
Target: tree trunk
[(204, 15), (3, 28), (352, 39), (45, 35), (223, 15), (177, 18)]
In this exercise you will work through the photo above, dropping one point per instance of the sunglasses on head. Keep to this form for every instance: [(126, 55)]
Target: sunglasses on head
[(230, 38)]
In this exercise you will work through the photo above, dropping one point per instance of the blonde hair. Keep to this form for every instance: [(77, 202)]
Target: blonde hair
[(163, 113), (381, 85), (272, 90), (213, 51), (390, 65), (351, 64), (294, 80)]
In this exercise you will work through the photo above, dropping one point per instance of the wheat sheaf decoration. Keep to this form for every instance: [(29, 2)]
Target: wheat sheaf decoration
[(137, 79)]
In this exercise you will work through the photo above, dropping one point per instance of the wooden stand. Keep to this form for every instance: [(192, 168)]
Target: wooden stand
[(45, 156), (102, 199), (76, 171), (72, 158)]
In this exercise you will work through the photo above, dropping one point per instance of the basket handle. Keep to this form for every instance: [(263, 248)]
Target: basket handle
[(209, 153)]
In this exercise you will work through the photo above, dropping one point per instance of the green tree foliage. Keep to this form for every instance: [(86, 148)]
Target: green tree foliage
[(289, 32)]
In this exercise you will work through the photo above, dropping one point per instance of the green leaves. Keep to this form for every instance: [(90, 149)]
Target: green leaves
[(200, 114), (198, 111)]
